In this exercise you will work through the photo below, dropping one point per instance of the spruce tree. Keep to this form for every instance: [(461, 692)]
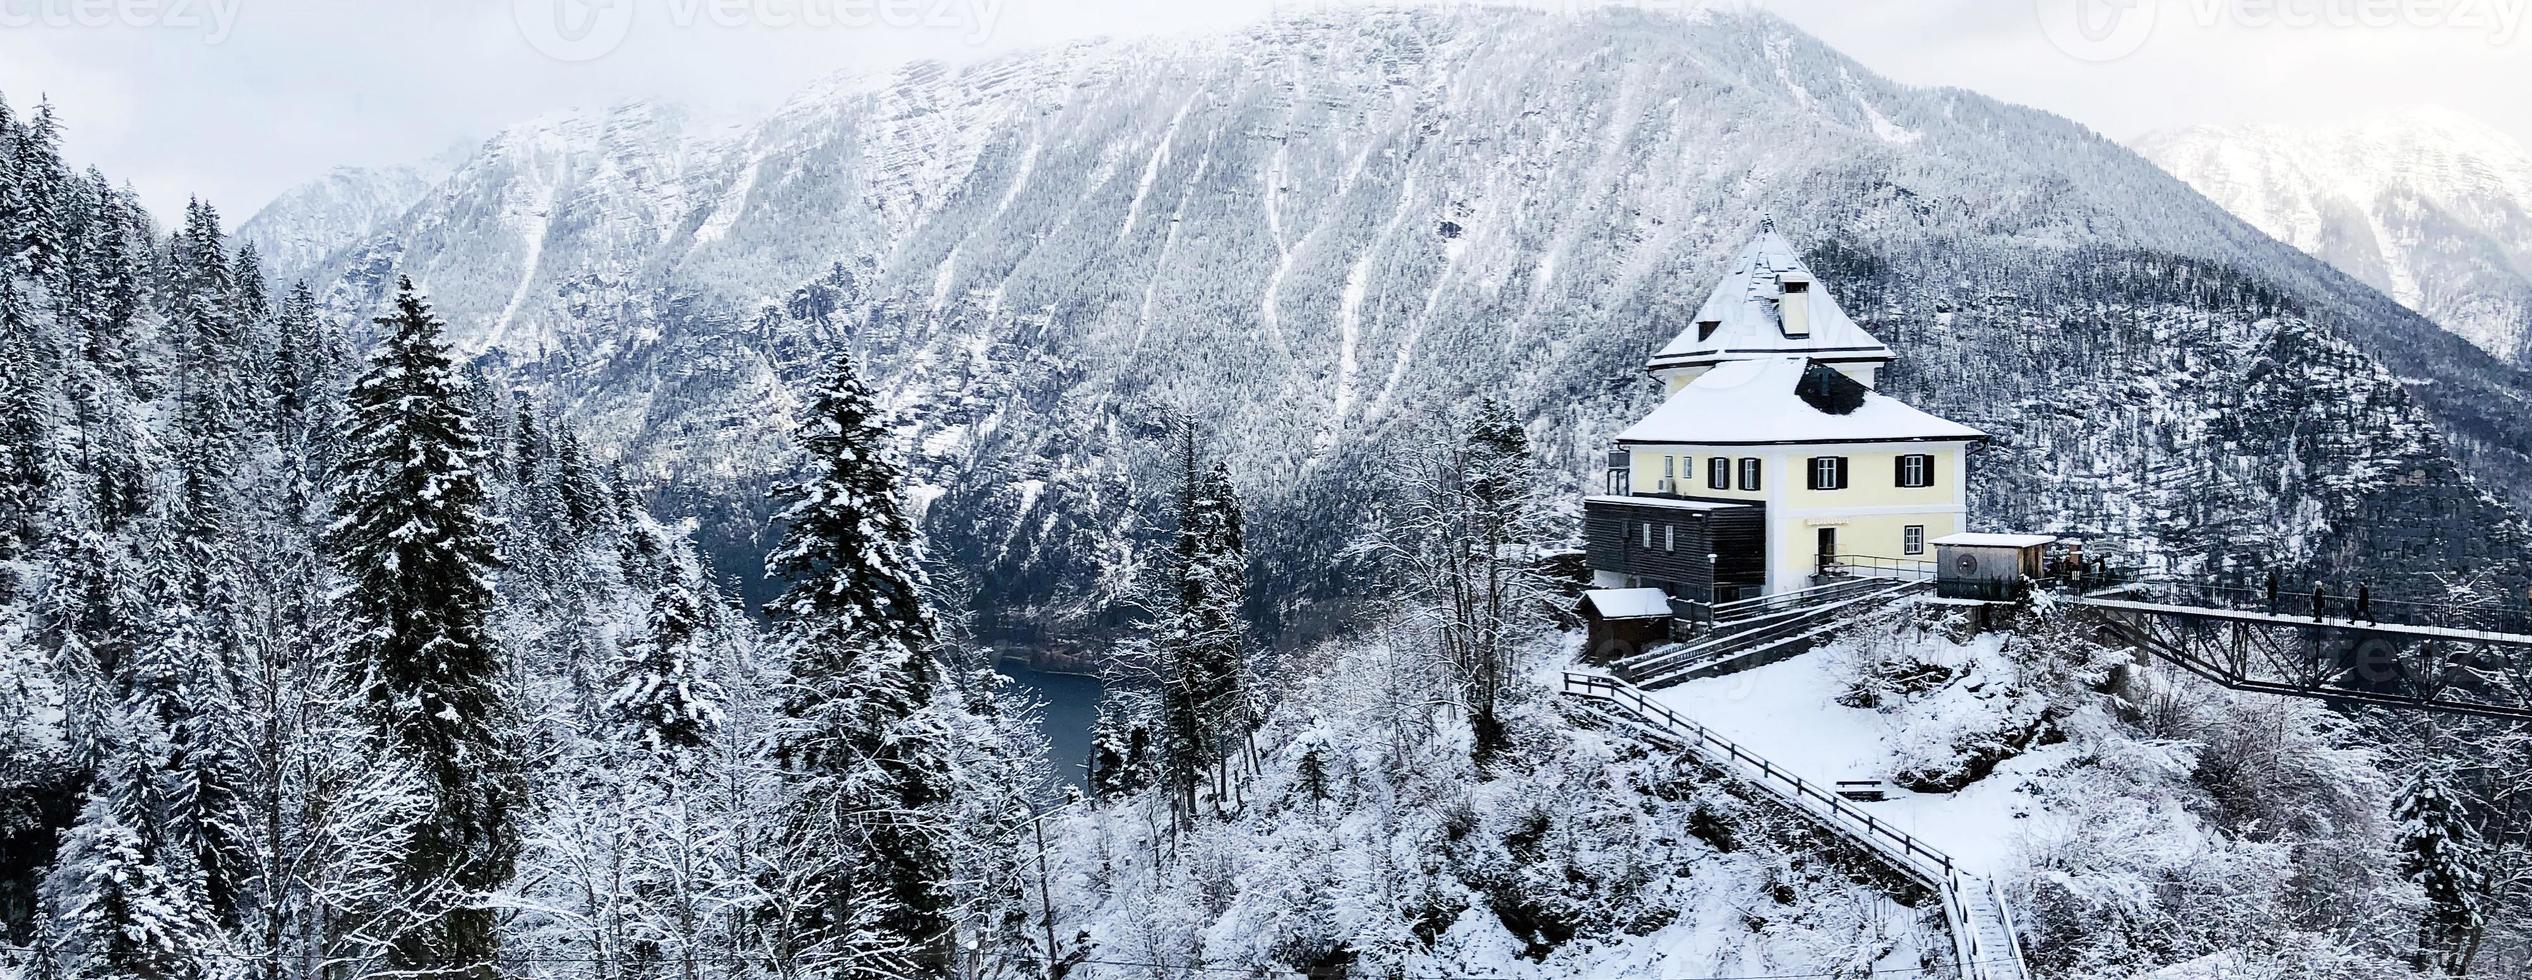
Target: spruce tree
[(870, 781), (661, 688), (2439, 851), (412, 537), (127, 900), (27, 423), (1205, 687)]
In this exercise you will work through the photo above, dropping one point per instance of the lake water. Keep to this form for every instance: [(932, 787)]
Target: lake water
[(1072, 707)]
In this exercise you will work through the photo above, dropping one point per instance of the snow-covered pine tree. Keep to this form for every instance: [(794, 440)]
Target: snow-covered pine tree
[(869, 782), (1120, 748), (43, 192), (662, 690), (2439, 851), (415, 544), (1208, 691), (27, 424), (1191, 687), (305, 351), (179, 686), (208, 361), (127, 901)]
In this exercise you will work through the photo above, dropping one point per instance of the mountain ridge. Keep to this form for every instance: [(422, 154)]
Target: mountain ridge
[(2430, 206)]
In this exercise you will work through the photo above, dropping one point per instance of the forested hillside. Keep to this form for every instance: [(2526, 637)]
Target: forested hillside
[(325, 654)]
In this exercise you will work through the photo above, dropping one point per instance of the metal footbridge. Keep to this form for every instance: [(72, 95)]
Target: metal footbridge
[(1984, 946), (2340, 656)]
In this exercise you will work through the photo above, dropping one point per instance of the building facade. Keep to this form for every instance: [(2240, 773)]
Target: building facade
[(1771, 416)]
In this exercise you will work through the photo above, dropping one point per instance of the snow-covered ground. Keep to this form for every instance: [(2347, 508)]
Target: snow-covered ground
[(1788, 713), (2138, 820)]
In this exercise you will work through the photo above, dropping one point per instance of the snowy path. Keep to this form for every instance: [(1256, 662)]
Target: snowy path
[(1980, 922), (1785, 712)]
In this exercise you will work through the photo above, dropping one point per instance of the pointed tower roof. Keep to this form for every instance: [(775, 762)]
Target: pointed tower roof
[(1744, 316)]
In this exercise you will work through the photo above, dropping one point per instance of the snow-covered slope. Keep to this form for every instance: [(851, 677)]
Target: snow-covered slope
[(2430, 206), (306, 225), (1317, 235)]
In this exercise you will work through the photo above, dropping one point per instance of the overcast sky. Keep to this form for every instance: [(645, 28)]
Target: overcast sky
[(237, 100)]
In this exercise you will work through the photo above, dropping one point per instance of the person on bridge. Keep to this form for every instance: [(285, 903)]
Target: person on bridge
[(2319, 602), (2365, 604), (2272, 592)]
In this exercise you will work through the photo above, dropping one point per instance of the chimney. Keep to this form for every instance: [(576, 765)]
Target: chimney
[(1793, 303)]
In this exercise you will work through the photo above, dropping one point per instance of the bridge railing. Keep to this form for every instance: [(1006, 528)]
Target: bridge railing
[(1876, 566), (1912, 856), (2495, 617)]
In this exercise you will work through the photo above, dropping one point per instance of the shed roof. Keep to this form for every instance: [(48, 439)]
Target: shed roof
[(1743, 308), (1754, 401), (1975, 539), (1629, 603)]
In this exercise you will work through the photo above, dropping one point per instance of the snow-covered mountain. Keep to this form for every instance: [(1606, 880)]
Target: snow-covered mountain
[(1317, 236), (314, 220), (2430, 206)]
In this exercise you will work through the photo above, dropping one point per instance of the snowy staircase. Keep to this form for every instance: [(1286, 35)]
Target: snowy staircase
[(1763, 637), (1983, 942)]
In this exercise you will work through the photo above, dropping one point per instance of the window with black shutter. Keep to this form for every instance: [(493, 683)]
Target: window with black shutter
[(1719, 473), (1828, 473), (1915, 470), (1749, 472)]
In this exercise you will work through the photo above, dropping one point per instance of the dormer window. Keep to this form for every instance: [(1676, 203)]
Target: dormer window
[(1706, 329), (1796, 286)]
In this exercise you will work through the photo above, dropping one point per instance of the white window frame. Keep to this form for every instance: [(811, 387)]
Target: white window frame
[(1828, 473), (1750, 470), (1670, 537), (1923, 466), (1912, 539), (1648, 535)]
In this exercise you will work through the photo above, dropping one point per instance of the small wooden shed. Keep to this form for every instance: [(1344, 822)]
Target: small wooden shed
[(1624, 622), (1991, 567)]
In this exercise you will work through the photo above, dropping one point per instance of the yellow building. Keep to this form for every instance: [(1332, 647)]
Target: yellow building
[(1773, 464)]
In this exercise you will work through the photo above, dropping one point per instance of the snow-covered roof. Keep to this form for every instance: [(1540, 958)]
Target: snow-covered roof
[(1669, 502), (1744, 311), (1975, 539), (1629, 603), (1753, 402)]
